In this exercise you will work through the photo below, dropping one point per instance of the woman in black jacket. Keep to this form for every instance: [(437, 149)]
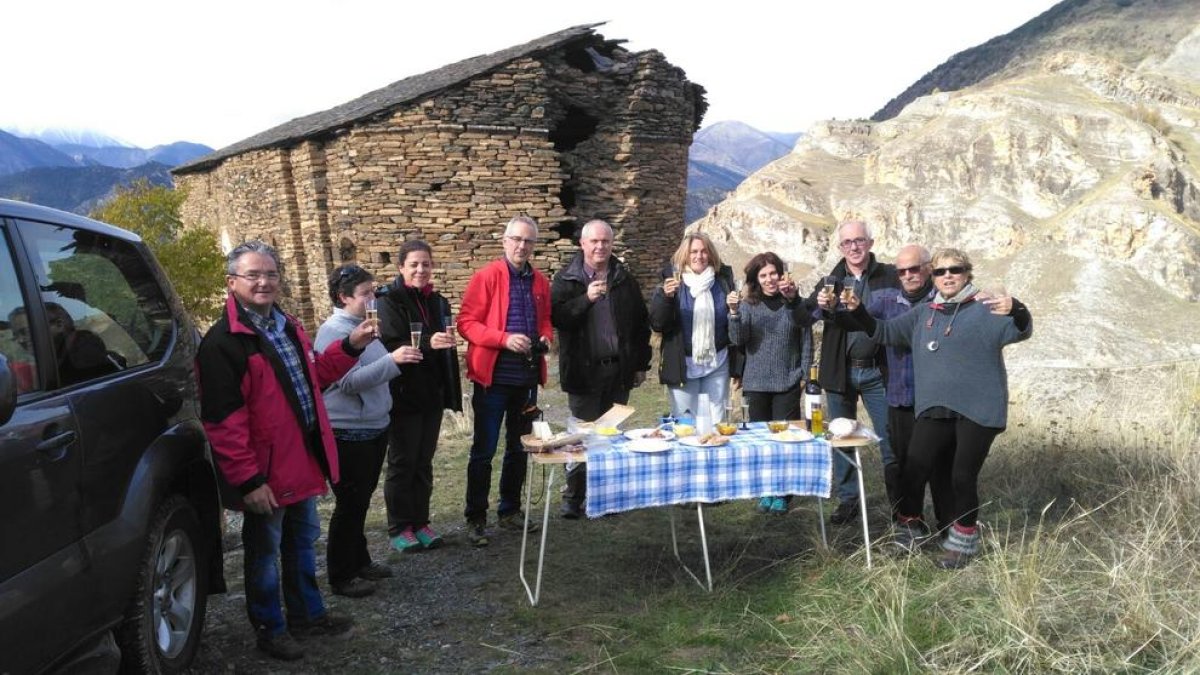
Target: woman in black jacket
[(690, 310), (419, 395)]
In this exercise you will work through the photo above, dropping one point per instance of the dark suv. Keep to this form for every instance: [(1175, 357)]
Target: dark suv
[(109, 510)]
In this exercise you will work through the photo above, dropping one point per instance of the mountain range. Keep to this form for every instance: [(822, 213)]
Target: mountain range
[(74, 171), (1062, 157), (722, 155)]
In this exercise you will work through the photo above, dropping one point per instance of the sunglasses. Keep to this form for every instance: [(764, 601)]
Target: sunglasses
[(902, 271), (953, 269)]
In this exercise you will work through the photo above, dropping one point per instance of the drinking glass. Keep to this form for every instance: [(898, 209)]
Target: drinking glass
[(745, 411), (728, 410), (414, 330), (450, 327), (372, 311)]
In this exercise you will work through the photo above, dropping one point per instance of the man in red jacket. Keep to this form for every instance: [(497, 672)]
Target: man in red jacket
[(261, 404), (505, 319)]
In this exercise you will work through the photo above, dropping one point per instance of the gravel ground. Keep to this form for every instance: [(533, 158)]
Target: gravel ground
[(449, 610)]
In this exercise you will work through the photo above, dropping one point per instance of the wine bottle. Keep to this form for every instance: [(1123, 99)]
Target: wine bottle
[(814, 398)]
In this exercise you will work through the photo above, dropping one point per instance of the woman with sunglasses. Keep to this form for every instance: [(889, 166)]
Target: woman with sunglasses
[(418, 397), (774, 327), (957, 343), (358, 406)]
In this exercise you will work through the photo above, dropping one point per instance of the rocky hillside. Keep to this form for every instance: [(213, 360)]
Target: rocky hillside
[(1074, 183)]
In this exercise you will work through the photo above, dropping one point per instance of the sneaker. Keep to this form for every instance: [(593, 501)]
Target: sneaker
[(515, 520), (428, 538), (910, 535), (845, 513), (406, 541), (764, 505), (375, 572), (571, 510), (329, 624), (779, 506), (283, 647), (352, 588), (477, 534)]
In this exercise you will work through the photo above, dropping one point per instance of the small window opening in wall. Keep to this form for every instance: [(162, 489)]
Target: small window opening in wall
[(567, 229), (576, 127), (566, 196), (346, 250), (436, 187), (385, 258)]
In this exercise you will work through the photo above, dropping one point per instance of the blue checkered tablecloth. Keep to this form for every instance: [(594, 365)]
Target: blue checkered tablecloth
[(750, 466)]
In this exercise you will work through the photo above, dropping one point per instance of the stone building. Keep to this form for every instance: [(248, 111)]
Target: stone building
[(565, 128)]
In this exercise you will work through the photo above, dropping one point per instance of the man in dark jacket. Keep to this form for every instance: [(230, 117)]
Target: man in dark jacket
[(261, 404), (603, 336), (851, 364)]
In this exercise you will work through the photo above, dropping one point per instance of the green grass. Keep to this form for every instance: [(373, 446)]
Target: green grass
[(1091, 531)]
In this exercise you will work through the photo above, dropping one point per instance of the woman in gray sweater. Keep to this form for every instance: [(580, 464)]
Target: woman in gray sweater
[(774, 327), (957, 343), (358, 406)]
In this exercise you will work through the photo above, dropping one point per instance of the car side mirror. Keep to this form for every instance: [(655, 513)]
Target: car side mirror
[(8, 391)]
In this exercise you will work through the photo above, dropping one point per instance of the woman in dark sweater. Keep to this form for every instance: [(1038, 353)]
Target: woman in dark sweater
[(419, 396), (961, 385), (774, 328)]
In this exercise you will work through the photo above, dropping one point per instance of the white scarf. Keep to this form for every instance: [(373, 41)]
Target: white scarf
[(704, 327)]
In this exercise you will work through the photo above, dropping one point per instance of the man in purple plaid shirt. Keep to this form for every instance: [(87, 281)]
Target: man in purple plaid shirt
[(916, 286)]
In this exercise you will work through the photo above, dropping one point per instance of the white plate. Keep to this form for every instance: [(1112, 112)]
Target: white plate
[(635, 434), (648, 445), (792, 436), (694, 441)]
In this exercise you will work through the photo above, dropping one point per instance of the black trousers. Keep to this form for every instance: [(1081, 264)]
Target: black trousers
[(360, 463), (588, 407), (770, 405), (958, 443), (409, 483), (901, 421)]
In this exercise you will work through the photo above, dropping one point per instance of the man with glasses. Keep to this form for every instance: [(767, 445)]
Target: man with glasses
[(505, 319), (604, 338), (261, 405), (853, 366), (916, 287)]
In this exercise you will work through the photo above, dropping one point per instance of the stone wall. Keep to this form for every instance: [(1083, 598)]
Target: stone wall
[(553, 137)]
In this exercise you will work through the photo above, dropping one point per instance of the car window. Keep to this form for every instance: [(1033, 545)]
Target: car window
[(104, 308), (15, 341)]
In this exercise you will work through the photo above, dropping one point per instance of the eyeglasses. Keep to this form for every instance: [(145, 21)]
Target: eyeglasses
[(953, 269), (255, 277), (903, 271), (517, 241), (857, 242)]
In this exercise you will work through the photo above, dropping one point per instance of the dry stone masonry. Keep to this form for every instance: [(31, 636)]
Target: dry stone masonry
[(565, 128)]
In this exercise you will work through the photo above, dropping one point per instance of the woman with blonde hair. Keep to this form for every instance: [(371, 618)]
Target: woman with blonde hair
[(690, 310)]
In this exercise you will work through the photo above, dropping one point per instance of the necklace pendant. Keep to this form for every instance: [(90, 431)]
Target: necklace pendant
[(932, 346)]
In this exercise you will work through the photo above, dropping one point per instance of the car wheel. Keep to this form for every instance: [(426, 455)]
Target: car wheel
[(162, 626)]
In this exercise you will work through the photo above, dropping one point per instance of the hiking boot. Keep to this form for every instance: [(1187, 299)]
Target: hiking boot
[(910, 534), (571, 510), (779, 506), (329, 624), (352, 588), (477, 534), (428, 538), (406, 541), (375, 572), (515, 520), (845, 513), (953, 560), (764, 505), (283, 647)]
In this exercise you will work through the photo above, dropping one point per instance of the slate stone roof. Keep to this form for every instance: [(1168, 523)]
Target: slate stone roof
[(386, 98)]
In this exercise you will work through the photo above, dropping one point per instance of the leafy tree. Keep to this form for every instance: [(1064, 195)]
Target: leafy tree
[(191, 257)]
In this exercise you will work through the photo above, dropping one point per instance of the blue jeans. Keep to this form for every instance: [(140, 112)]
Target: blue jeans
[(687, 396), (867, 383), (284, 539), (493, 405)]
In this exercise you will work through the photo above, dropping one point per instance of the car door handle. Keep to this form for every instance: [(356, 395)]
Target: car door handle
[(56, 446)]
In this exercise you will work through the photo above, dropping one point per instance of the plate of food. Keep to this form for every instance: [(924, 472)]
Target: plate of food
[(653, 432), (705, 441), (791, 436), (648, 445)]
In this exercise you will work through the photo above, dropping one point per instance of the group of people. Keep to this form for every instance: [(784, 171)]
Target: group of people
[(285, 416)]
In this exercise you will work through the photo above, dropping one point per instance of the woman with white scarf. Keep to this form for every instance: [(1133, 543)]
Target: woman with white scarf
[(689, 309)]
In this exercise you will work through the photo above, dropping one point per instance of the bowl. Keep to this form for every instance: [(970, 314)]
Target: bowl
[(726, 428), (777, 426)]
